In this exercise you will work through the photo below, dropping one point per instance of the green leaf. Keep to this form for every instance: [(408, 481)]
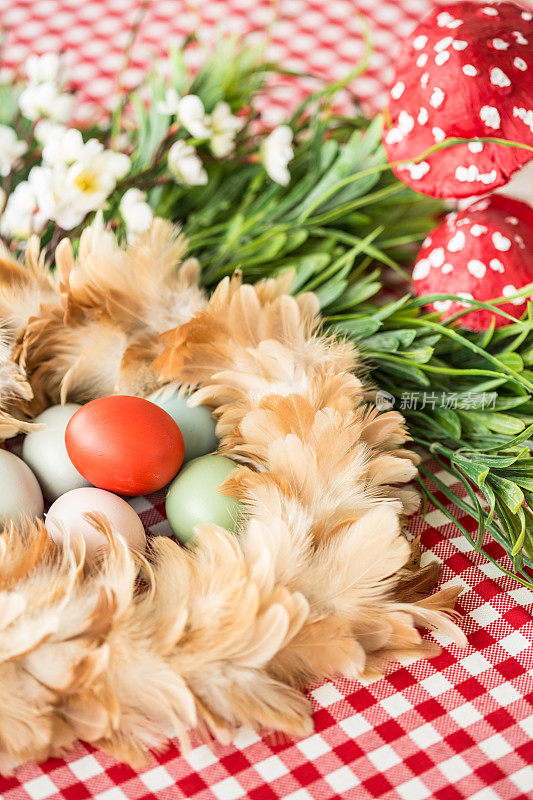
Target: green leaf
[(509, 492)]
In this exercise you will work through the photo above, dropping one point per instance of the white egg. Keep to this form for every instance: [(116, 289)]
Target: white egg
[(45, 452), (196, 423), (20, 493), (65, 520)]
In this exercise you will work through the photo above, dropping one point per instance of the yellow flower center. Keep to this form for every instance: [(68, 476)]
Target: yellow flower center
[(87, 182)]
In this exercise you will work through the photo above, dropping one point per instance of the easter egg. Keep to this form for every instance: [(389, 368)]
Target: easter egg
[(45, 453), (193, 497), (124, 444), (20, 493), (196, 424), (65, 520)]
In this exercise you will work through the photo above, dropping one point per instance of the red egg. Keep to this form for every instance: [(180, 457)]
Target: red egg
[(126, 445)]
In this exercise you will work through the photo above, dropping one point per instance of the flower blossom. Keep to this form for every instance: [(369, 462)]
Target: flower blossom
[(11, 149), (224, 127), (185, 164), (220, 127), (44, 95), (277, 152), (22, 215), (136, 212)]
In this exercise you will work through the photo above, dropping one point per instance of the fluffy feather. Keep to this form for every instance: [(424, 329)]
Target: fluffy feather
[(92, 328), (199, 637)]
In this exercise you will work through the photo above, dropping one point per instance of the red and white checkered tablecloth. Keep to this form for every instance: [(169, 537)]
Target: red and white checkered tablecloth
[(459, 726)]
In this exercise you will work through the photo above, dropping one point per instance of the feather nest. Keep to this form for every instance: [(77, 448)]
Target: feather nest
[(320, 581)]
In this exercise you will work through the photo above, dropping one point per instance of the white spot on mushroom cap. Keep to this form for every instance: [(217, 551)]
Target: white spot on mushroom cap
[(394, 136), (472, 174), (465, 296), (442, 305), (419, 170), (437, 257), (469, 70), (437, 98), (424, 80), (446, 20), (478, 230), (447, 268), (459, 44), (499, 78), (421, 269), (520, 242), (490, 116), (489, 11), (397, 90), (496, 265), (512, 220), (422, 60), (457, 242), (500, 44), (405, 122), (416, 171), (476, 268), (509, 291), (443, 19), (520, 38), (520, 64), (438, 134), (527, 15), (423, 116), (501, 242), (475, 147), (443, 44), (442, 58), (405, 125), (526, 115), (420, 42)]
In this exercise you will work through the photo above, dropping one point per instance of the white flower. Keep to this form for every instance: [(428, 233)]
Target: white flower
[(76, 177), (191, 114), (48, 67), (46, 100), (22, 215), (224, 127), (170, 104), (277, 152), (11, 149), (65, 147), (185, 165), (44, 96), (136, 212), (46, 130)]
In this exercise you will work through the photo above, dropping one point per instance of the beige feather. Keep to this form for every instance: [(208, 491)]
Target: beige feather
[(92, 329)]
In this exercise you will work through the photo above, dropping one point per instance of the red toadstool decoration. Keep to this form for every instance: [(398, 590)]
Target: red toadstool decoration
[(466, 71), (483, 252)]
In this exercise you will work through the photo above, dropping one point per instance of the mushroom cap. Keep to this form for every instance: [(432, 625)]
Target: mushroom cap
[(466, 71), (480, 253)]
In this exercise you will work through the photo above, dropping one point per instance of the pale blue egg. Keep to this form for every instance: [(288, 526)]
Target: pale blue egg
[(196, 424)]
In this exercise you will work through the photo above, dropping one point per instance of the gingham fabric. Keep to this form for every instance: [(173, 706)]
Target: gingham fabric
[(458, 726)]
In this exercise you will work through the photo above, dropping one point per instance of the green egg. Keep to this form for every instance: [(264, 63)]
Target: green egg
[(196, 424), (193, 497)]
